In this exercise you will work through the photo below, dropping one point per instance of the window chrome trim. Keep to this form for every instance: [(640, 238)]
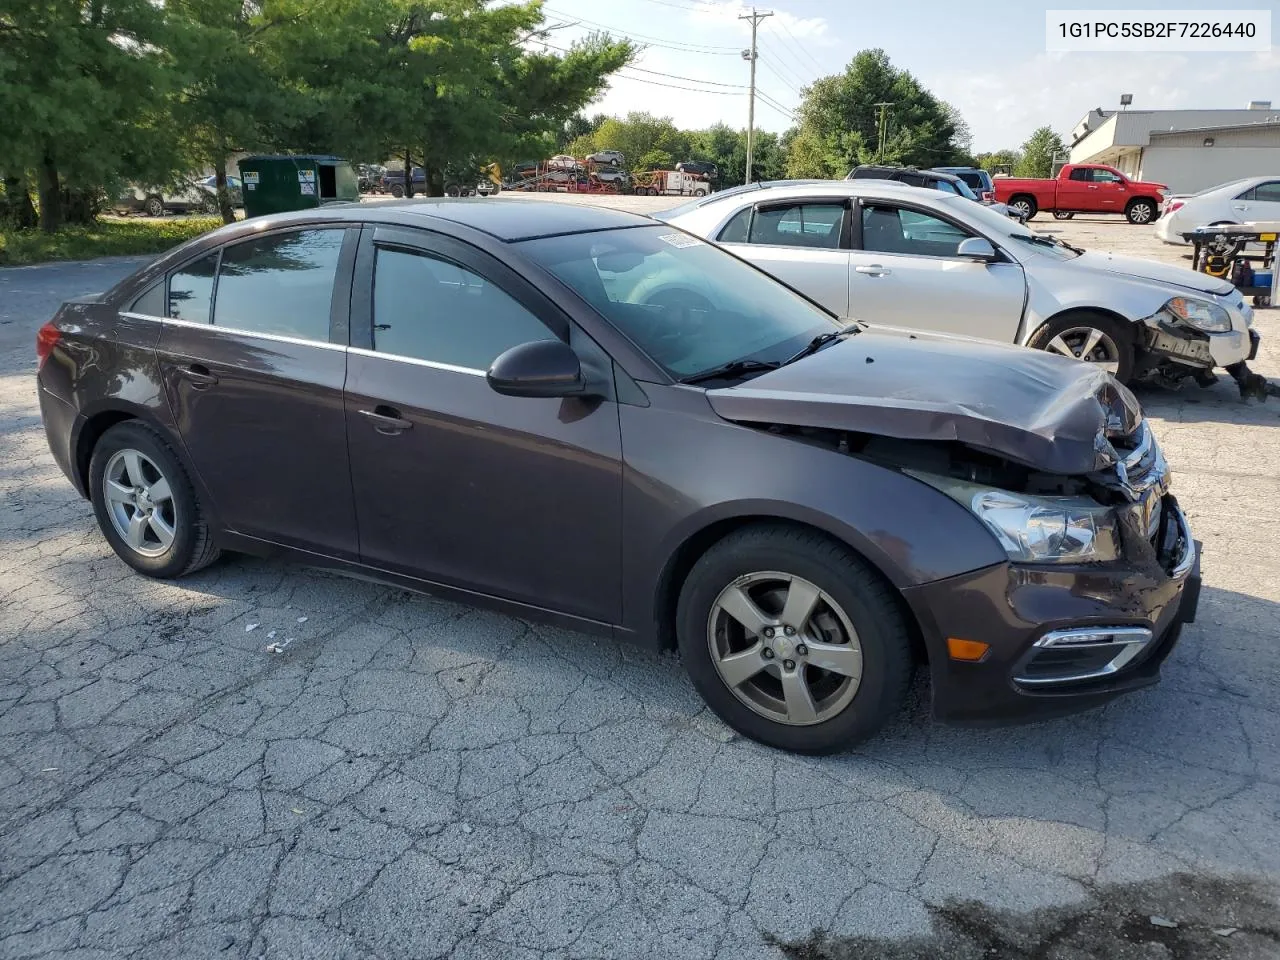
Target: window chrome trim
[(237, 331), (433, 364)]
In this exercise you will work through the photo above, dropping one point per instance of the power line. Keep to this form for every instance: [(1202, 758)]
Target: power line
[(781, 79), (772, 101), (659, 73), (672, 86), (644, 38), (812, 60)]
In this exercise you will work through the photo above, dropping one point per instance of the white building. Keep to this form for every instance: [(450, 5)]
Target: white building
[(1189, 150)]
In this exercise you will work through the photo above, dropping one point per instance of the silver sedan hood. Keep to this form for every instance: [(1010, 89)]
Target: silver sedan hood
[(1183, 277), (1047, 412)]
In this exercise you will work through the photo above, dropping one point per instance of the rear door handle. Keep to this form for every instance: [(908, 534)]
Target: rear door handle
[(199, 375), (872, 269), (387, 420)]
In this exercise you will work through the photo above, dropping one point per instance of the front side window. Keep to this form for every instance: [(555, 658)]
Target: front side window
[(191, 290), (1105, 176), (687, 304), (431, 309), (887, 229), (799, 225), (279, 284)]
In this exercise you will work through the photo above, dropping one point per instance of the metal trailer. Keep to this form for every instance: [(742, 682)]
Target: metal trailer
[(1222, 251), (672, 183)]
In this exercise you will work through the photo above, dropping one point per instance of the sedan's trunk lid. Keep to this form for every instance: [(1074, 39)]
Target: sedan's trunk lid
[(1047, 412)]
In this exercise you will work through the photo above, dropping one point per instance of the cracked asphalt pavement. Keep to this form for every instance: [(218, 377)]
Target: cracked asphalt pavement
[(415, 778)]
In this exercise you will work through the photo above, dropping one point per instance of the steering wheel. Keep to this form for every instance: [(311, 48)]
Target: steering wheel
[(684, 326)]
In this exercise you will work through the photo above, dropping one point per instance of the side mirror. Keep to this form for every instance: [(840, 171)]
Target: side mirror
[(976, 248), (540, 368)]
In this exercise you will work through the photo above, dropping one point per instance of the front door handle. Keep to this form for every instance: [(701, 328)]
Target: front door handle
[(387, 420), (872, 269), (199, 376)]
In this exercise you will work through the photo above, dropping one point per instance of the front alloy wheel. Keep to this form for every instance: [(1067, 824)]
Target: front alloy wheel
[(1088, 344), (784, 648)]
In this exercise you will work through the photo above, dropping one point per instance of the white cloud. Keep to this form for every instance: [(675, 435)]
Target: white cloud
[(812, 29)]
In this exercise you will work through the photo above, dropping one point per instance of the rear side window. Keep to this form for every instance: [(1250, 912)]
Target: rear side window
[(151, 303), (191, 290), (1266, 192), (1082, 174), (280, 284), (430, 309), (735, 231), (799, 225)]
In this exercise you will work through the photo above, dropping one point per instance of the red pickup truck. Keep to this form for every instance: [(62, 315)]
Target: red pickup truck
[(1083, 188)]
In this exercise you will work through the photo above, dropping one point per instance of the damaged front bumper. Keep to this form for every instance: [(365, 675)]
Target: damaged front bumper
[(1170, 351), (1061, 639)]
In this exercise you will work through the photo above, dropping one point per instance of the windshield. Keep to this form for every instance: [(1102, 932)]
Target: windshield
[(998, 227), (965, 190), (688, 305)]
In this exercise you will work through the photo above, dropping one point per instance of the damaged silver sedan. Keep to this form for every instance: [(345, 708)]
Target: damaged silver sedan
[(896, 257)]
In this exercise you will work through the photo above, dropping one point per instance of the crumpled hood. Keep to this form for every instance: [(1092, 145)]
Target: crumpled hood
[(1047, 412), (1182, 277)]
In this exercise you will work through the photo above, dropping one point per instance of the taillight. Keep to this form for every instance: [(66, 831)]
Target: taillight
[(988, 196), (46, 339), (1176, 205)]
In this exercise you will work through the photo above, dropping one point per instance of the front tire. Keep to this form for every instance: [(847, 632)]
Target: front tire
[(793, 640), (153, 206), (1063, 214), (146, 505), (1091, 337), (1141, 212)]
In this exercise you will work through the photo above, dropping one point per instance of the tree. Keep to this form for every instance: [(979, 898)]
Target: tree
[(82, 95), (842, 124), (647, 142), (1000, 158), (1038, 153)]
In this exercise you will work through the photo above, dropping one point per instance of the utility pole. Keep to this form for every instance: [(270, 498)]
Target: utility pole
[(752, 55), (882, 126)]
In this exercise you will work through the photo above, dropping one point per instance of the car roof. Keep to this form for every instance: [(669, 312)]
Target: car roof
[(508, 220), (785, 189)]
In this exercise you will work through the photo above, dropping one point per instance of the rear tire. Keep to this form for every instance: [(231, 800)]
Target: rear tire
[(1141, 212), (153, 206), (1069, 335), (173, 537), (1024, 205), (1063, 214), (851, 620), (397, 191)]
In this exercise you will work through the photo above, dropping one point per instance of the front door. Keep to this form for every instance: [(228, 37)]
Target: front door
[(1110, 191), (906, 274), (512, 497), (254, 378), (804, 244)]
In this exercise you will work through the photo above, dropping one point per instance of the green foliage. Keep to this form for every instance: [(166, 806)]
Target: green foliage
[(840, 124), (1038, 153), (1000, 158), (103, 239)]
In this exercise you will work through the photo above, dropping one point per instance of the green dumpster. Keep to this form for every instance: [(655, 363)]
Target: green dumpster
[(277, 184)]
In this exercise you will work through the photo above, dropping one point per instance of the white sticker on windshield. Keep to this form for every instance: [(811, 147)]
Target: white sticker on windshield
[(679, 240)]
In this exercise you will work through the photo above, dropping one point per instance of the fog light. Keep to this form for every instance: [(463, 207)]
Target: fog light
[(970, 650)]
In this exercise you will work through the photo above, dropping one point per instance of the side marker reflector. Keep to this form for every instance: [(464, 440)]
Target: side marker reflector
[(970, 650)]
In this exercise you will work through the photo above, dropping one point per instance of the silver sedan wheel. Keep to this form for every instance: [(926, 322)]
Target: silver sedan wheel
[(1088, 344), (785, 648), (139, 502)]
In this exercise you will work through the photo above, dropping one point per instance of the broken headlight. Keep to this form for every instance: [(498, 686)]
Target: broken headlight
[(1200, 314), (1038, 529)]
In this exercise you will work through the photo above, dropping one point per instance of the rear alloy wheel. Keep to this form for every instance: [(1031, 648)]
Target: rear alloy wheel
[(154, 206), (1099, 339), (1063, 214), (1140, 211), (1024, 206), (145, 503), (792, 640)]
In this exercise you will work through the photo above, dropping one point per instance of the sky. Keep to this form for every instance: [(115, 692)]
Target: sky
[(987, 58)]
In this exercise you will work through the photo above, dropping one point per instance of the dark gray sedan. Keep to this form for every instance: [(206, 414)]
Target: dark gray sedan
[(588, 417)]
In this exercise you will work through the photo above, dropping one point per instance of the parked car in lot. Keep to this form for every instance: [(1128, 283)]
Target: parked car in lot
[(920, 259), (1083, 188), (614, 158), (979, 180), (942, 180), (197, 195), (1241, 201), (702, 168), (581, 415)]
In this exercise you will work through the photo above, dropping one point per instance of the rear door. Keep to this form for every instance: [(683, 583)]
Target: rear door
[(1075, 192), (253, 358), (906, 274), (513, 497), (1259, 203), (804, 243)]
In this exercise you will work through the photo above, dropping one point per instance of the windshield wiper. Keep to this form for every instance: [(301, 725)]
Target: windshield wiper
[(820, 341), (732, 369)]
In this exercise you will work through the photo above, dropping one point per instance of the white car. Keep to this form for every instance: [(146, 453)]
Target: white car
[(1240, 201), (895, 256)]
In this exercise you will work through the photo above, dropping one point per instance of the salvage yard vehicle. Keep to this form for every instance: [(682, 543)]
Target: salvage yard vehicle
[(1241, 201), (923, 260), (584, 416), (1083, 188)]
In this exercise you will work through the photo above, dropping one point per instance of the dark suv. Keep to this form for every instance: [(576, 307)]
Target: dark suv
[(701, 167), (979, 180), (929, 179)]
